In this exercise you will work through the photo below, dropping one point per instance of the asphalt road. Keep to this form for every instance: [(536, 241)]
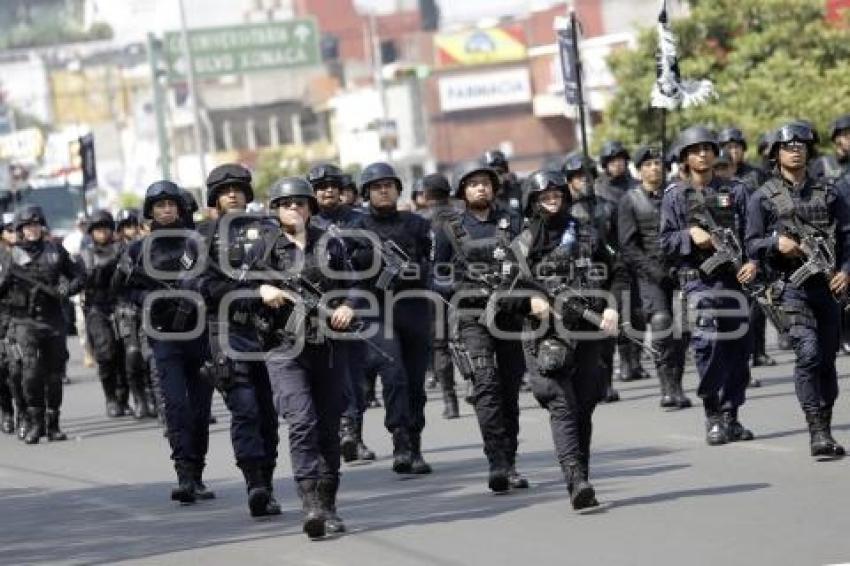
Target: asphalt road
[(667, 498)]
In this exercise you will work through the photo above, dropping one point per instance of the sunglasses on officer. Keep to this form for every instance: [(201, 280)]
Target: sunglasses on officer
[(289, 202)]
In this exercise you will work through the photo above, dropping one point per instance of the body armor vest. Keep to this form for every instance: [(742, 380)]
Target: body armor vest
[(647, 211), (718, 205), (100, 263)]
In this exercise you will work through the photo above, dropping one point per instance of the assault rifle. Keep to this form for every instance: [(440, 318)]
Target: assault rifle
[(727, 250), (819, 251), (134, 276), (396, 261), (36, 287)]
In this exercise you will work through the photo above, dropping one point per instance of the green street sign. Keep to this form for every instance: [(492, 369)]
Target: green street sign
[(243, 49)]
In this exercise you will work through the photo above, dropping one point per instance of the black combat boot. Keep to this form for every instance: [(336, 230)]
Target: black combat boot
[(515, 479), (715, 432), (141, 405), (402, 458), (498, 480), (763, 360), (7, 422), (54, 434), (418, 465), (582, 494), (821, 441), (201, 491), (363, 452), (347, 439), (450, 406), (682, 400), (113, 411), (626, 370), (255, 484), (273, 507), (35, 427), (326, 489), (665, 380), (314, 519), (150, 401), (185, 490), (634, 352), (735, 431)]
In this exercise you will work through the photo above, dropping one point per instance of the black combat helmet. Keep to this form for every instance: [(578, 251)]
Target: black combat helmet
[(645, 153), (540, 181), (162, 190), (223, 176), (30, 214), (732, 134), (130, 216), (325, 173), (695, 135), (467, 169), (496, 159), (839, 124), (377, 172), (612, 149), (292, 187), (100, 219), (436, 186), (793, 131)]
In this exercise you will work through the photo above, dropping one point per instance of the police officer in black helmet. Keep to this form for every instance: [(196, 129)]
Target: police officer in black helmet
[(128, 225), (330, 213), (407, 340), (154, 264), (567, 382), (594, 217), (35, 279), (509, 192), (242, 380), (308, 391), (638, 218), (440, 212), (789, 207), (481, 236), (614, 182), (12, 405), (692, 211), (348, 193), (100, 260)]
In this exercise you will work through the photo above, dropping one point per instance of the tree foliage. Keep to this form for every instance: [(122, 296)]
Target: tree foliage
[(273, 164), (771, 61)]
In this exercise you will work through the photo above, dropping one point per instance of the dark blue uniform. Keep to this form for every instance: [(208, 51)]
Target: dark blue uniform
[(186, 397), (810, 312), (721, 363), (245, 388), (498, 363), (403, 332), (307, 388), (355, 353)]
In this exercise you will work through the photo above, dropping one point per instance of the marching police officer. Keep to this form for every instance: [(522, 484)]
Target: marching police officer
[(694, 213), (441, 212), (788, 215), (100, 260), (128, 225), (242, 381), (509, 191), (638, 219), (596, 218), (608, 189), (567, 382), (402, 335), (327, 181), (482, 235), (734, 144), (38, 276), (153, 264), (349, 194), (308, 392), (11, 396)]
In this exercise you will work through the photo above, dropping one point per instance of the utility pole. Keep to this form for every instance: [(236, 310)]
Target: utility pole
[(377, 64), (159, 109), (193, 92)]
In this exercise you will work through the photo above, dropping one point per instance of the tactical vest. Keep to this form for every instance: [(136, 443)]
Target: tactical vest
[(787, 205), (44, 267), (647, 211), (591, 222), (718, 204), (100, 262)]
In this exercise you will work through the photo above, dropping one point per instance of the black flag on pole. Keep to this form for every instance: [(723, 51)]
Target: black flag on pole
[(670, 90)]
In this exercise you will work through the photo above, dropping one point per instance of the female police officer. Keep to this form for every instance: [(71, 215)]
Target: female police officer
[(302, 364), (568, 381)]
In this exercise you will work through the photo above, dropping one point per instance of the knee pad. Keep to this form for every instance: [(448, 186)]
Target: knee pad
[(660, 321)]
